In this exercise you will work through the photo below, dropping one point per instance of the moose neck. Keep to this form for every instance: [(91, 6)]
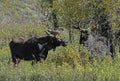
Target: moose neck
[(43, 40), (50, 46)]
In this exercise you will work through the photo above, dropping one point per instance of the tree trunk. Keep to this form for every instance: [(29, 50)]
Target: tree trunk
[(54, 16), (71, 36), (55, 21)]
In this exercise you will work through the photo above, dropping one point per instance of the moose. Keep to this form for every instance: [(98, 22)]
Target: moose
[(97, 44), (34, 49)]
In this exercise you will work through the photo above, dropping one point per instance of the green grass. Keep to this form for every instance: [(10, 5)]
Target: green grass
[(65, 64)]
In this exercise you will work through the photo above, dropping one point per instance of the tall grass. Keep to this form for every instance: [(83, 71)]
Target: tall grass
[(65, 64)]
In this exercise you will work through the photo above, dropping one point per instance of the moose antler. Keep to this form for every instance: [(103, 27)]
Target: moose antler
[(77, 26), (55, 32)]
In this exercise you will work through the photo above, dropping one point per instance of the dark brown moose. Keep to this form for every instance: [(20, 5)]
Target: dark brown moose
[(34, 49)]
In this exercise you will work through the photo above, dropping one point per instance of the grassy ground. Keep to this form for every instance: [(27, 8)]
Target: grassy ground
[(65, 64)]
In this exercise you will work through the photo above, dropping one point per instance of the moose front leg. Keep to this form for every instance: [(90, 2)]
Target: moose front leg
[(36, 58), (14, 60)]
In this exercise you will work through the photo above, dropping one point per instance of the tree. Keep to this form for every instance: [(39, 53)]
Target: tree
[(102, 16), (49, 8), (71, 11), (90, 13)]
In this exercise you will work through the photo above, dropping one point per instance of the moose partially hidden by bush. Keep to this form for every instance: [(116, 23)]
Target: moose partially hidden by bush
[(99, 41), (34, 49)]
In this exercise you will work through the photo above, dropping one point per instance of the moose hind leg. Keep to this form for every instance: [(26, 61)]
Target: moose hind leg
[(33, 62), (18, 60)]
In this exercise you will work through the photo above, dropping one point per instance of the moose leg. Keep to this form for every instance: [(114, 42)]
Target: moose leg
[(37, 58), (14, 59), (18, 61), (45, 54), (33, 62)]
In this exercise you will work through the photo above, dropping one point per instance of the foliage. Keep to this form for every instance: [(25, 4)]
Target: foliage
[(71, 63), (102, 71), (66, 64), (70, 11)]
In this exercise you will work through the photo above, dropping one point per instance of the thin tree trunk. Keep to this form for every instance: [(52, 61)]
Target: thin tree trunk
[(71, 36), (54, 16), (55, 21)]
